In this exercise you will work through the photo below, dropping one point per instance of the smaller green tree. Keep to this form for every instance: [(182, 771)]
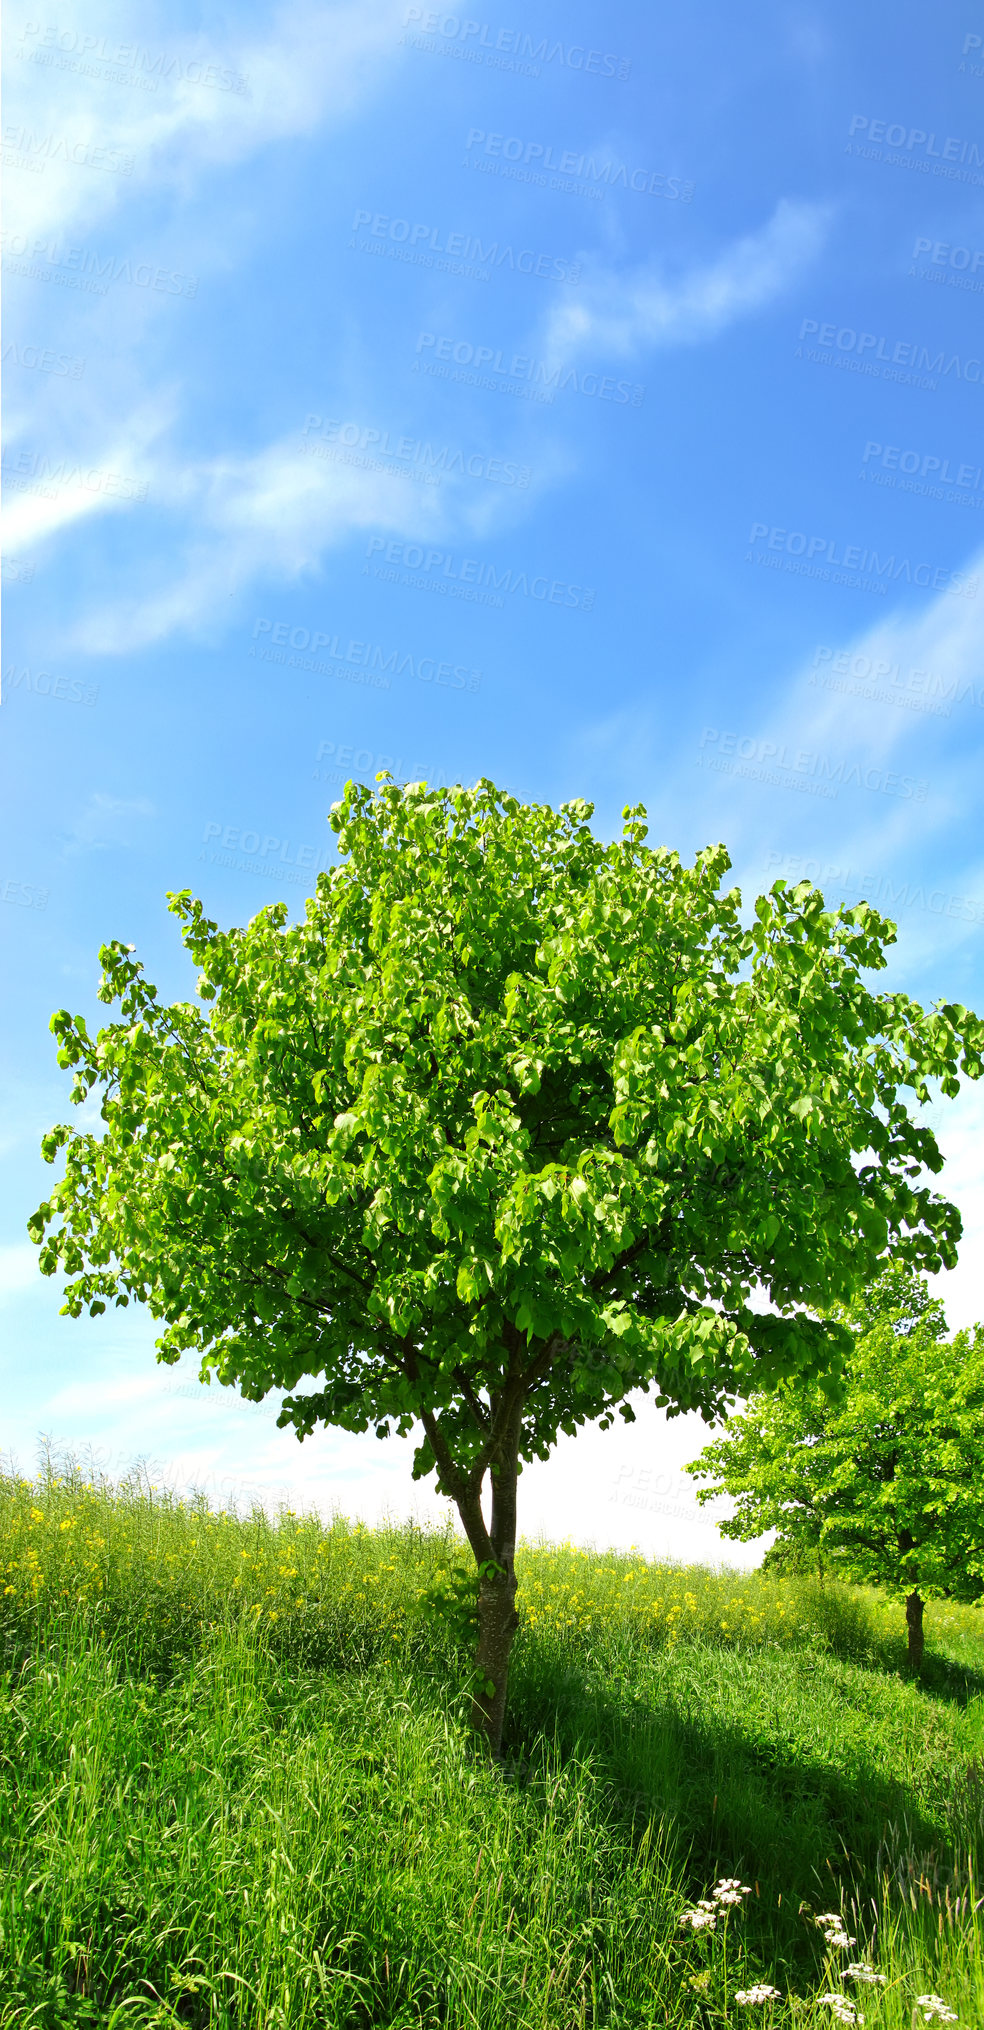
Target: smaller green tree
[(883, 1486)]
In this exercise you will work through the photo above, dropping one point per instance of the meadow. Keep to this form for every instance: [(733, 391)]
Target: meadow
[(238, 1787)]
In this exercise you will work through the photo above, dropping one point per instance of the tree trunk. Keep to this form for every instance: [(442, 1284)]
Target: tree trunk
[(494, 1547), (497, 1625), (914, 1617), (497, 1616)]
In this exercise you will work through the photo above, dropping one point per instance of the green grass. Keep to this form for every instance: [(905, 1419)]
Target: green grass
[(237, 1788)]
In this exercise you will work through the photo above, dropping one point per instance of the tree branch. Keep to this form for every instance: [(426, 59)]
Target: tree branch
[(474, 1402)]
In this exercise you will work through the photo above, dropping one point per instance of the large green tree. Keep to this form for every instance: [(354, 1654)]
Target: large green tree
[(885, 1486), (510, 1126)]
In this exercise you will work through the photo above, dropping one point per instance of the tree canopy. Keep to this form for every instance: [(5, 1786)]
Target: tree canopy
[(884, 1486), (512, 1124)]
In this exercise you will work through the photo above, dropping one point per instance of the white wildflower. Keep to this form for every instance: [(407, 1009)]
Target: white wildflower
[(749, 1997), (843, 2009), (729, 1890), (935, 2009), (859, 1970), (832, 1926), (701, 1919)]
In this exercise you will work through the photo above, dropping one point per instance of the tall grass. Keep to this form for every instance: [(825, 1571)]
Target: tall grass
[(238, 1788)]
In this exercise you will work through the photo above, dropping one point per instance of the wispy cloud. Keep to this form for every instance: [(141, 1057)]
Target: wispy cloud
[(74, 111), (101, 466), (624, 312), (138, 1389), (268, 517), (105, 821), (742, 801), (871, 843)]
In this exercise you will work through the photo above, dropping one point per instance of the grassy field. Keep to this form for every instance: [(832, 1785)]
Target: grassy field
[(237, 1788)]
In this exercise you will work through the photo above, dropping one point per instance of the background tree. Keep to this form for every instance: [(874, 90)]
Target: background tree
[(509, 1126), (885, 1486)]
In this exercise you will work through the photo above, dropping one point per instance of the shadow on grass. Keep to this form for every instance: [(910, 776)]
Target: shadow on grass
[(843, 1626), (757, 1798), (943, 1678)]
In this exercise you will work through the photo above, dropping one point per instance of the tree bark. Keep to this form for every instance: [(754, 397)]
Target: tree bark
[(914, 1618), (497, 1625), (497, 1616), (494, 1546)]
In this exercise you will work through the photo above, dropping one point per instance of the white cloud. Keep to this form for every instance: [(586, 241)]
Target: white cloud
[(911, 858), (30, 519), (945, 642), (312, 67), (105, 821), (268, 516), (86, 123), (624, 313), (47, 492), (945, 639), (128, 1391)]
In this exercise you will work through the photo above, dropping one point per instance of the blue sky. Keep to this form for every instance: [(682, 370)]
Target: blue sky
[(581, 398)]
